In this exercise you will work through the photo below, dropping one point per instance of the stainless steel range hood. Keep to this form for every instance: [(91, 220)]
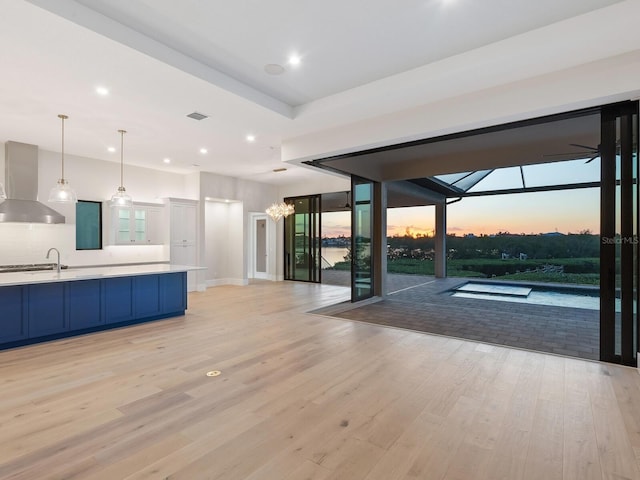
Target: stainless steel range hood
[(21, 183)]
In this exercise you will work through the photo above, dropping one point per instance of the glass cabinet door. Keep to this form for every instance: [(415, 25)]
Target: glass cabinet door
[(124, 225), (140, 226)]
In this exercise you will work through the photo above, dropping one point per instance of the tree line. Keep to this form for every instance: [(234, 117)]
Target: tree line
[(534, 246)]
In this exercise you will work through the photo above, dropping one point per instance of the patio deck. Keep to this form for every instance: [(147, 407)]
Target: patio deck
[(424, 304)]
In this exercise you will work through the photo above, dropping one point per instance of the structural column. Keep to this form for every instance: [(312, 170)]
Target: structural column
[(440, 257)]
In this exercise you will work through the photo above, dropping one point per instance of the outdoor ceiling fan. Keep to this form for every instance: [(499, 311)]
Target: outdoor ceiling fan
[(593, 151)]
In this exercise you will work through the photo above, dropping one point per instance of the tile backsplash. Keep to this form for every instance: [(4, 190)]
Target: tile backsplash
[(23, 243)]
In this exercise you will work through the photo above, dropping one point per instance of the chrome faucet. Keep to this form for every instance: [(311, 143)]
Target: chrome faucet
[(58, 252)]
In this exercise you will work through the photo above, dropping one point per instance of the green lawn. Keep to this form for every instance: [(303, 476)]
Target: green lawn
[(583, 271)]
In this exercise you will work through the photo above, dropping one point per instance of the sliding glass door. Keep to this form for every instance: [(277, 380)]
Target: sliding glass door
[(362, 237), (619, 263), (302, 240)]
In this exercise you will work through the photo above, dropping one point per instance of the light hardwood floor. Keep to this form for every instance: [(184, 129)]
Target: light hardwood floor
[(307, 397)]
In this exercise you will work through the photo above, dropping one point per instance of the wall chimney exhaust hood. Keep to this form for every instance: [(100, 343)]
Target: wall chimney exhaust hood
[(21, 183)]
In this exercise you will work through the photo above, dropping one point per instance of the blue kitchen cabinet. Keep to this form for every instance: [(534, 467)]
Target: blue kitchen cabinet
[(118, 299), (47, 312), (147, 296), (13, 321), (42, 311), (84, 300), (173, 292)]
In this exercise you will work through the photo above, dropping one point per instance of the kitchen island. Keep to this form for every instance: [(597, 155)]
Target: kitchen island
[(45, 305)]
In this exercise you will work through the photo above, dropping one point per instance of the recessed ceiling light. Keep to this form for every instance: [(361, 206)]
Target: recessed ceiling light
[(274, 69), (102, 91), (167, 160), (203, 151), (111, 149), (294, 60), (251, 138)]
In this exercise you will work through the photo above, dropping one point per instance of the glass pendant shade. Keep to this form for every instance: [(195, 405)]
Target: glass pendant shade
[(120, 198), (62, 192)]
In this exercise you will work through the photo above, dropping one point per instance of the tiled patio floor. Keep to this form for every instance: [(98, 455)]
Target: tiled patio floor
[(425, 304)]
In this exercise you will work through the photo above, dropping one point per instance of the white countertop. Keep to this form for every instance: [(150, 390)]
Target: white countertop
[(73, 274)]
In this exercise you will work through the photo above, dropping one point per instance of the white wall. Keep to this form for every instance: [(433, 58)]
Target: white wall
[(224, 246), (238, 244), (216, 218), (326, 183), (93, 180), (97, 179), (2, 163), (223, 243), (246, 197), (24, 243), (600, 82)]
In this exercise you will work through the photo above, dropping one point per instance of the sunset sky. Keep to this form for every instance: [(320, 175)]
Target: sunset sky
[(563, 211)]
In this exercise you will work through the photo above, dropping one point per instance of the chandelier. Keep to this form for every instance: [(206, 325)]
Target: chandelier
[(279, 210)]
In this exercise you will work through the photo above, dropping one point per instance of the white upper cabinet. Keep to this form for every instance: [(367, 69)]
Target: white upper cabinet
[(155, 226), (141, 224), (184, 218)]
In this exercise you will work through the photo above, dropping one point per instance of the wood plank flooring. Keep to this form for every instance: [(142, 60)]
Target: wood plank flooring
[(305, 396)]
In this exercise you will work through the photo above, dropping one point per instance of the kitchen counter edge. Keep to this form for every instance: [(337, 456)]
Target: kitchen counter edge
[(75, 274)]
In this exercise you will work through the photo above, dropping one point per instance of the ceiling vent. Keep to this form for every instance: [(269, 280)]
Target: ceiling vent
[(197, 116)]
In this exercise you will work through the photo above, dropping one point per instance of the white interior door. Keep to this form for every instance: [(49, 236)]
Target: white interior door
[(260, 247)]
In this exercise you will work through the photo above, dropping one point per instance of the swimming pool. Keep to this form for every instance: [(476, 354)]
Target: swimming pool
[(587, 298)]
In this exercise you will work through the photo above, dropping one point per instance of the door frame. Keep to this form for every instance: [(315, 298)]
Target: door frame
[(313, 240), (619, 266), (269, 233)]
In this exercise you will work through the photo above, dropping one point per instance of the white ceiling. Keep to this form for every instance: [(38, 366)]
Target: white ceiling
[(343, 44), (162, 59)]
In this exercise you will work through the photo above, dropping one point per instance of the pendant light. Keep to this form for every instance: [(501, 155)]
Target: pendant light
[(120, 198), (62, 192)]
